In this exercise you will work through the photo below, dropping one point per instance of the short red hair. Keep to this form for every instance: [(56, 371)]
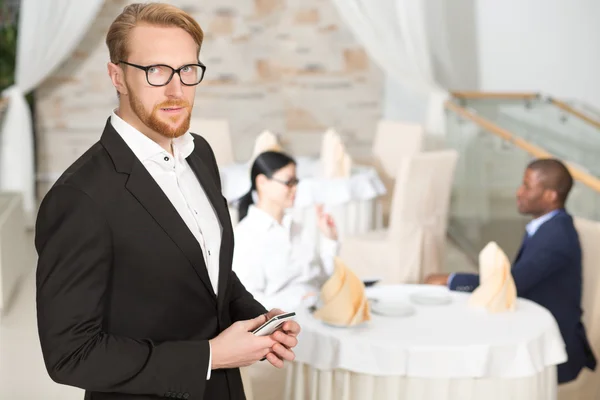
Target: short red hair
[(159, 14)]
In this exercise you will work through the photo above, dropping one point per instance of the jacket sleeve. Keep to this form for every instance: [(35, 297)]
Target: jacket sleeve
[(73, 241), (462, 282), (242, 306)]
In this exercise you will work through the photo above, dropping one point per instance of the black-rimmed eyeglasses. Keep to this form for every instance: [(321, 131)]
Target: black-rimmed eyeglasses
[(161, 74), (289, 183)]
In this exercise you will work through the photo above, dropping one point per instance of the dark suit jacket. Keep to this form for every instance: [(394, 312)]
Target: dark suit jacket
[(547, 270), (124, 303)]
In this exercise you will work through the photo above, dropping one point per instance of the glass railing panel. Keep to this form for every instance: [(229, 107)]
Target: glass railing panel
[(545, 125), (483, 206), (488, 174)]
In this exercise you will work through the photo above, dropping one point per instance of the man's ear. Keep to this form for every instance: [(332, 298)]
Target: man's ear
[(551, 195), (117, 76)]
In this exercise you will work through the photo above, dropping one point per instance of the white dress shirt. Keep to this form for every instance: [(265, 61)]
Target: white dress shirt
[(179, 183), (280, 263)]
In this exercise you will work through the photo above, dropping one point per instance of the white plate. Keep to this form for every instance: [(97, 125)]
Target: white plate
[(343, 325), (431, 298), (392, 308)]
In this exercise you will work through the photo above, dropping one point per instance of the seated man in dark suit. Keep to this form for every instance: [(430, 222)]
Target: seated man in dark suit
[(547, 268)]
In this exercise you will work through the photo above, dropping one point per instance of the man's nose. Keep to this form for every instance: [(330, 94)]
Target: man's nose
[(175, 87)]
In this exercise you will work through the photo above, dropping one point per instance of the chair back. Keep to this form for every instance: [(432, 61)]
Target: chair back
[(420, 204), (216, 132), (587, 384)]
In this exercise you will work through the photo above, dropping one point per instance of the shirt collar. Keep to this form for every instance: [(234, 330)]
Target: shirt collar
[(535, 224), (145, 148)]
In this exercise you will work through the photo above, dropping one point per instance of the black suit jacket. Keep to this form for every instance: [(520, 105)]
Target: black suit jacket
[(124, 303), (547, 270)]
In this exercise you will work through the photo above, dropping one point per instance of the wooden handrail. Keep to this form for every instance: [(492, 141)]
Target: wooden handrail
[(587, 179), (472, 95), (495, 95), (565, 107)]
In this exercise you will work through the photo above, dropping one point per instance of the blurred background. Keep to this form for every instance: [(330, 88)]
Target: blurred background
[(499, 82)]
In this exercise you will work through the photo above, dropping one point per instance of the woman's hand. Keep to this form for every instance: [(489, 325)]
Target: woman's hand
[(326, 224)]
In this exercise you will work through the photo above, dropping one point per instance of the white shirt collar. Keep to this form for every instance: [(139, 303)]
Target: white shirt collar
[(535, 224), (145, 148)]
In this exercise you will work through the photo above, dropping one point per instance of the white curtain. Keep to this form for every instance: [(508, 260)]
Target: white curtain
[(394, 33), (48, 33)]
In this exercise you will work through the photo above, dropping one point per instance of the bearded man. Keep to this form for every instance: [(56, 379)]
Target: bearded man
[(136, 298)]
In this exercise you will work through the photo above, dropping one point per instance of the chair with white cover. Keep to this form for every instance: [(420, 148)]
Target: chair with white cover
[(393, 141), (413, 245), (247, 383), (587, 384), (216, 132)]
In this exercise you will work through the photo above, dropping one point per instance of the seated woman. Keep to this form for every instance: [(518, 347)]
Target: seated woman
[(278, 260)]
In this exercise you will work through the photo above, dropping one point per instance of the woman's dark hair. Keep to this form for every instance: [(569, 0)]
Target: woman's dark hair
[(267, 164)]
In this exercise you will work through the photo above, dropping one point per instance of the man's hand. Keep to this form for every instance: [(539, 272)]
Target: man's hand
[(285, 339), (238, 347), (437, 279)]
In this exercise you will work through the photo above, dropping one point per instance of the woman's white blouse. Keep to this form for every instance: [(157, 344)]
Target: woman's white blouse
[(280, 263)]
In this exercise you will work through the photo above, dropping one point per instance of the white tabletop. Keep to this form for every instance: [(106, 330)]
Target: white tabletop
[(451, 341), (363, 184)]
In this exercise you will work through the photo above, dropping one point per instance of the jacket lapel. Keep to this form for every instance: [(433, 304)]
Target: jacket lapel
[(145, 189), (524, 242), (207, 180), (527, 240)]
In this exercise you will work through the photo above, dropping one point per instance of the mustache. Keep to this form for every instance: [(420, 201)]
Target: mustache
[(173, 104)]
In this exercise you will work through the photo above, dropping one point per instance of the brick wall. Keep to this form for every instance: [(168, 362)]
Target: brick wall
[(290, 66)]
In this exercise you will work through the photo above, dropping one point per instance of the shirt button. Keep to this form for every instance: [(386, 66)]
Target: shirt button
[(166, 158), (209, 252)]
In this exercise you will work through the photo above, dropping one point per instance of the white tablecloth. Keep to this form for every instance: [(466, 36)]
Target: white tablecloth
[(351, 201), (307, 383), (438, 346)]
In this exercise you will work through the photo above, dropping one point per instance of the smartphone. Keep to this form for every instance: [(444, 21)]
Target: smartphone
[(273, 324), (370, 281)]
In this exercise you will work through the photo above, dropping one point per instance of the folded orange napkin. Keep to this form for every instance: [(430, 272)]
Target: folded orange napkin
[(496, 291), (335, 161), (343, 298), (266, 141)]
